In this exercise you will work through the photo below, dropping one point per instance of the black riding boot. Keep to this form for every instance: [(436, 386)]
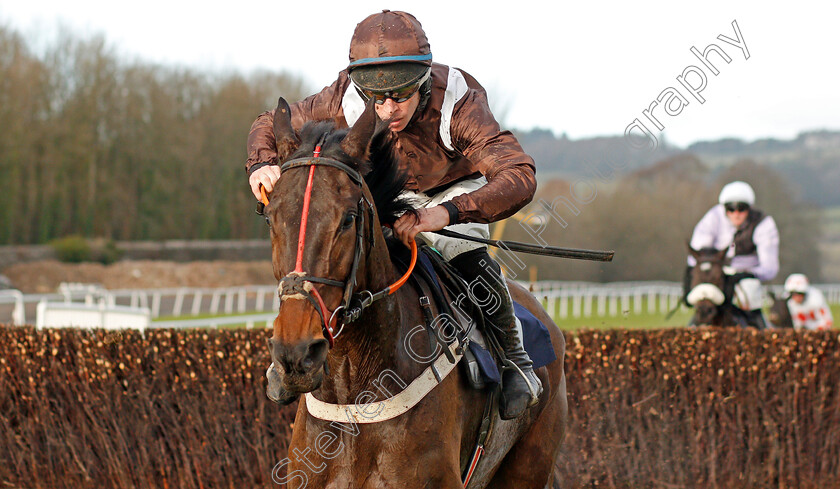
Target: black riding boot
[(521, 387)]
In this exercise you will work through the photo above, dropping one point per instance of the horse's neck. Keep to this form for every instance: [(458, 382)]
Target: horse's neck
[(368, 351)]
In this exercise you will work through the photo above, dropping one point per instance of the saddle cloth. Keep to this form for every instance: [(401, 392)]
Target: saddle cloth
[(537, 340)]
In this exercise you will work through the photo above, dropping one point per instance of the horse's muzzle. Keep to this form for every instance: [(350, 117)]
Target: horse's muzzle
[(297, 369), (274, 389)]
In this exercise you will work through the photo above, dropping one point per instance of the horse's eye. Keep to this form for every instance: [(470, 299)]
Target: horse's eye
[(349, 218)]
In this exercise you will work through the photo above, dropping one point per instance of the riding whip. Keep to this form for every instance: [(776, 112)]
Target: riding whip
[(594, 255)]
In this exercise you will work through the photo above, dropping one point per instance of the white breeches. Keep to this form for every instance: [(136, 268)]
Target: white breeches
[(449, 248)]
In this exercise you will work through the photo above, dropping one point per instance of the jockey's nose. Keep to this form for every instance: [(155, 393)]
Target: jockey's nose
[(387, 109)]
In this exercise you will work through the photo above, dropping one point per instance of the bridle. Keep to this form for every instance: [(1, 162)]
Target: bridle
[(300, 285)]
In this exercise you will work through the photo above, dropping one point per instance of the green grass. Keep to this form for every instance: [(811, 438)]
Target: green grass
[(645, 321), (624, 319), (213, 316), (627, 321), (204, 316)]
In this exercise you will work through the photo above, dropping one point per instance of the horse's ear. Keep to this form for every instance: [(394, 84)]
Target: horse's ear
[(772, 295), (692, 251), (284, 135), (721, 255), (357, 141)]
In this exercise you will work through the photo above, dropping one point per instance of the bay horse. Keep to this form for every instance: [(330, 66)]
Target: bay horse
[(337, 186), (707, 286)]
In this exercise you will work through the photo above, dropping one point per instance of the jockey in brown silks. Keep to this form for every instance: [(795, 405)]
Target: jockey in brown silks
[(465, 172)]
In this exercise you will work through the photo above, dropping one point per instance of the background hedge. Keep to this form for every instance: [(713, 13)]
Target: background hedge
[(648, 409)]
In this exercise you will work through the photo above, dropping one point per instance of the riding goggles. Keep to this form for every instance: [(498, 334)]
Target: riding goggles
[(736, 206), (398, 95)]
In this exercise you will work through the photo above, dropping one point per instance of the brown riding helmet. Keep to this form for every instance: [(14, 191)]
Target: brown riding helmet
[(389, 51)]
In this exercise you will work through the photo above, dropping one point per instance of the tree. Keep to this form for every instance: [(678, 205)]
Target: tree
[(100, 147)]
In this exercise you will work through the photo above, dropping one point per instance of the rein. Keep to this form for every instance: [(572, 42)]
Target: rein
[(299, 285)]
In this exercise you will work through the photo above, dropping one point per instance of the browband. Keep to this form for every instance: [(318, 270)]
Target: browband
[(321, 161)]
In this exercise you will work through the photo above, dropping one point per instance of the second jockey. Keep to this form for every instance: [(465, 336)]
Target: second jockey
[(752, 241)]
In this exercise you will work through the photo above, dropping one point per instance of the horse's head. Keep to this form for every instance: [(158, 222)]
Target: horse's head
[(779, 314), (323, 224), (707, 283)]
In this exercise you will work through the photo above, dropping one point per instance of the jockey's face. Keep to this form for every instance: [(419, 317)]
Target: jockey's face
[(738, 215), (797, 297), (398, 114)]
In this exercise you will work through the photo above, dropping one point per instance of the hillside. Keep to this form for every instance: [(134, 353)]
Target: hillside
[(830, 245), (810, 162)]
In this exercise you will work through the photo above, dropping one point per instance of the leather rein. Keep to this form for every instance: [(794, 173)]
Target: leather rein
[(300, 285)]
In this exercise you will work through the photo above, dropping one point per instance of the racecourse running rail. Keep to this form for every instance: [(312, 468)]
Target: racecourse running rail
[(175, 305)]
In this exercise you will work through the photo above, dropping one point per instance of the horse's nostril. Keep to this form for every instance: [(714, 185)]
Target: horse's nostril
[(313, 356), (306, 364)]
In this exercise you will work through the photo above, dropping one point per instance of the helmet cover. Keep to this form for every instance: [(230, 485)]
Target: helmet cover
[(389, 50), (737, 192), (796, 283)]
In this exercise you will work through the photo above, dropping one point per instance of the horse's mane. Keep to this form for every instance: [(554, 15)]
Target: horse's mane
[(387, 181), (381, 172)]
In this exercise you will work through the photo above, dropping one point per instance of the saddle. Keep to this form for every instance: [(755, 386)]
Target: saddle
[(434, 276), (481, 352)]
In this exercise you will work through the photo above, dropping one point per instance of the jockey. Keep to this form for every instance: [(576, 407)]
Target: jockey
[(753, 243), (464, 171), (807, 305)]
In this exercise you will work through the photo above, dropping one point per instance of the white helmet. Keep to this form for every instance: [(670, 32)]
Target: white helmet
[(796, 282), (737, 192)]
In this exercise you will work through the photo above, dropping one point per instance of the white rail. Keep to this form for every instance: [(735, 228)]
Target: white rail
[(76, 315), (602, 300), (562, 299)]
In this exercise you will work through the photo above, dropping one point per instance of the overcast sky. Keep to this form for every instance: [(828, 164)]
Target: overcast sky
[(583, 68)]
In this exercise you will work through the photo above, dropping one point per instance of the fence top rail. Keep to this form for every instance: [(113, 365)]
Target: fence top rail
[(13, 293), (193, 290), (76, 306), (549, 288), (31, 298), (608, 292), (586, 285)]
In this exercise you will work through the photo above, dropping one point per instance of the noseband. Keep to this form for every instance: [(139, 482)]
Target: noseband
[(300, 285), (705, 290)]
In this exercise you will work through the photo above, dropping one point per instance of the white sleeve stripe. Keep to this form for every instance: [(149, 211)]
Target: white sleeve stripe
[(352, 105), (456, 88)]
